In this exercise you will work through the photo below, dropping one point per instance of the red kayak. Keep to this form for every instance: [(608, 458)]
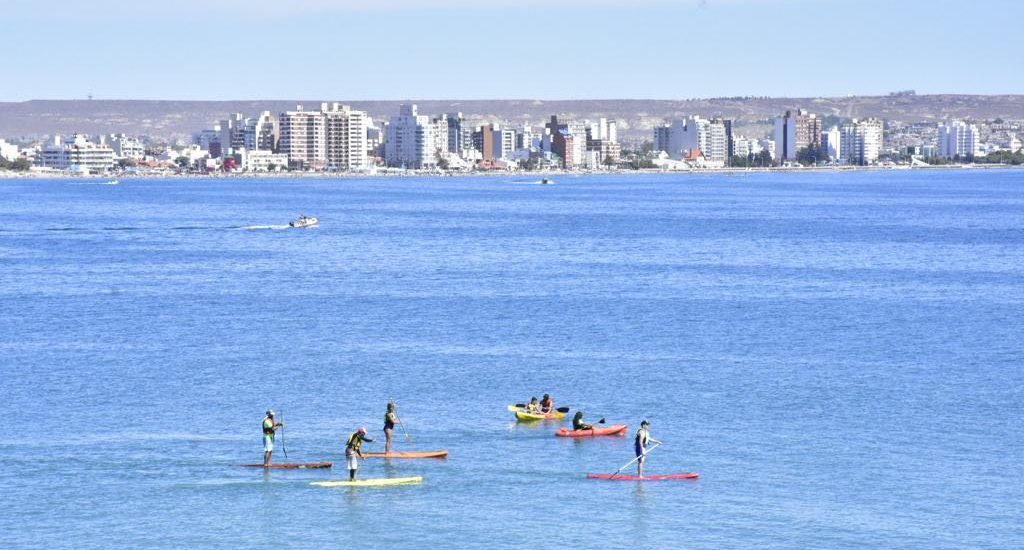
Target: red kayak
[(645, 478), (614, 429), (299, 466)]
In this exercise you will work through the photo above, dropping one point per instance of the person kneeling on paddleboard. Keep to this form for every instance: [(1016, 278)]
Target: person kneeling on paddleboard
[(578, 423), (643, 438), (269, 427), (353, 451)]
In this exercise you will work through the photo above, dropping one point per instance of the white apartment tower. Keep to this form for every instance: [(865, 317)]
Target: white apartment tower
[(860, 141), (344, 137), (958, 140), (831, 144), (408, 141), (694, 133)]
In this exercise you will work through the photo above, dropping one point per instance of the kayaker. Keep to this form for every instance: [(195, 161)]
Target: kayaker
[(532, 406), (353, 451), (643, 438), (578, 423), (546, 404), (390, 419), (269, 428)]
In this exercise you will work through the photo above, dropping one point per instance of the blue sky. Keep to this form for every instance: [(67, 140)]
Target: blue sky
[(558, 49)]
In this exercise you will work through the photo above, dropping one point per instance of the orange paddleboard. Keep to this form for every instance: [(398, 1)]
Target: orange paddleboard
[(393, 454)]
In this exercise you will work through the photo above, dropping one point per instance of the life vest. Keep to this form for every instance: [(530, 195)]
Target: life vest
[(355, 442), (268, 426)]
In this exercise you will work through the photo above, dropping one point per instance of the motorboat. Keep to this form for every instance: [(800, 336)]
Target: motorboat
[(546, 181), (304, 221)]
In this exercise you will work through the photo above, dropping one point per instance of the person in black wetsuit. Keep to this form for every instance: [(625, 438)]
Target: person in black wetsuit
[(390, 419), (578, 423)]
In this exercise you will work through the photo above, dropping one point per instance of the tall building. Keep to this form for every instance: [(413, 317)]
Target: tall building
[(303, 138), (683, 137), (261, 133), (568, 140), (232, 134), (860, 141), (796, 131), (495, 142), (344, 137), (408, 140), (958, 140), (831, 144), (439, 134), (460, 134)]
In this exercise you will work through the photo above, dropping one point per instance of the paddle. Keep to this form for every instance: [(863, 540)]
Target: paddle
[(559, 409), (283, 448), (400, 423), (647, 452)]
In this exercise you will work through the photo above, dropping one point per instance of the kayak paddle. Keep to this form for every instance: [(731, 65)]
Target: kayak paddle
[(523, 406), (647, 452)]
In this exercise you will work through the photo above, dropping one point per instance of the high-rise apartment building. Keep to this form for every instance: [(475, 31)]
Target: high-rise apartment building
[(409, 140), (344, 137), (232, 134), (795, 131), (958, 140), (831, 144), (568, 140), (261, 133), (683, 137), (860, 141), (303, 138)]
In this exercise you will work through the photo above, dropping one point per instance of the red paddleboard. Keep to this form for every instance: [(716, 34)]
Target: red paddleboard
[(614, 429), (302, 466), (645, 478)]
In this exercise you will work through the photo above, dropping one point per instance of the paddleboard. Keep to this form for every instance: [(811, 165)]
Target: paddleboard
[(302, 466), (408, 454), (379, 482), (621, 477)]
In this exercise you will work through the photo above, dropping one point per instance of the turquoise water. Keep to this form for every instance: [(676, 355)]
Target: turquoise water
[(838, 355)]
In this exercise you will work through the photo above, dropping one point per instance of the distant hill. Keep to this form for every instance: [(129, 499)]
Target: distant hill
[(178, 120)]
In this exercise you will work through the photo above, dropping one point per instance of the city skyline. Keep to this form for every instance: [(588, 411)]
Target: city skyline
[(398, 49)]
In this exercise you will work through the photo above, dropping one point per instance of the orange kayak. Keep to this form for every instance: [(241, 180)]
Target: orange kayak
[(409, 454), (614, 429)]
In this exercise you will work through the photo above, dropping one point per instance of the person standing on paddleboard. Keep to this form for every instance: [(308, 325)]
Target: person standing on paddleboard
[(353, 451), (390, 419), (643, 438), (269, 428)]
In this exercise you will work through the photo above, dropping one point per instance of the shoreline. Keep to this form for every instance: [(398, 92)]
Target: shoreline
[(11, 175)]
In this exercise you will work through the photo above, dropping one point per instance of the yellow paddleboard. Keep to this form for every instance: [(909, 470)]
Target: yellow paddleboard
[(378, 482)]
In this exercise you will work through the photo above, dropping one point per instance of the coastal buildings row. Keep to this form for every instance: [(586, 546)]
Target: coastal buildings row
[(335, 137)]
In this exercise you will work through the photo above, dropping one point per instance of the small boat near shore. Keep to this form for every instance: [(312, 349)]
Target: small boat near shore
[(304, 221)]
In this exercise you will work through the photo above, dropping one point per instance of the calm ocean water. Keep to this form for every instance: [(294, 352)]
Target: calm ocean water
[(838, 355)]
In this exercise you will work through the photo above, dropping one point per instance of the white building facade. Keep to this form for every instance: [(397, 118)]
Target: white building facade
[(75, 153), (860, 141), (408, 141), (958, 140)]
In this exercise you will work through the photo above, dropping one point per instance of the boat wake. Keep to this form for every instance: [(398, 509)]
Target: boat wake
[(263, 227)]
